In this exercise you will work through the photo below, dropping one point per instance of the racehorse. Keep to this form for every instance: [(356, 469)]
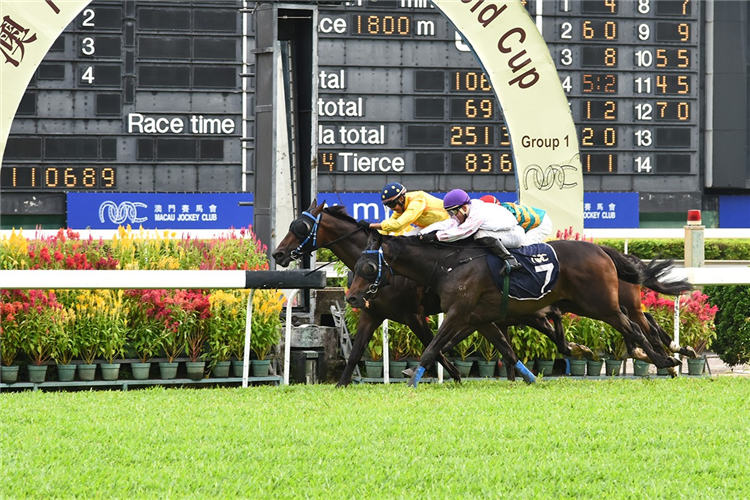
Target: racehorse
[(588, 285), (406, 303)]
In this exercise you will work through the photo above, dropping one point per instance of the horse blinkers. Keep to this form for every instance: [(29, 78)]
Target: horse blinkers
[(301, 227)]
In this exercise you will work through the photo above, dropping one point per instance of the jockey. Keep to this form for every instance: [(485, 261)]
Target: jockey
[(491, 225), (414, 207), (535, 221)]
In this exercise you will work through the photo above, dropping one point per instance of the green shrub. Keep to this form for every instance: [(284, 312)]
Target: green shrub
[(674, 248), (732, 342)]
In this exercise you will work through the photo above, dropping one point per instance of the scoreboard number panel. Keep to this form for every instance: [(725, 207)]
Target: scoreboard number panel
[(630, 70)]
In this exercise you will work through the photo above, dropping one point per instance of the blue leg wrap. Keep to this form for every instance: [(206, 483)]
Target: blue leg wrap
[(418, 375), (567, 366), (525, 373)]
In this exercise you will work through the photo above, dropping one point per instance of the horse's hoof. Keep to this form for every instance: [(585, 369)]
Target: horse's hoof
[(672, 371), (671, 361), (689, 352), (409, 372)]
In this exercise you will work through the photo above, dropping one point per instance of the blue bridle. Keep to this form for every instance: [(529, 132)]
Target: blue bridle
[(382, 265)]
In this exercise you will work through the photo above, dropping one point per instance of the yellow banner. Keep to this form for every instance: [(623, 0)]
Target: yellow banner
[(542, 132), (28, 30)]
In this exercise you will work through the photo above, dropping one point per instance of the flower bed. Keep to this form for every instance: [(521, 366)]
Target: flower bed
[(84, 325)]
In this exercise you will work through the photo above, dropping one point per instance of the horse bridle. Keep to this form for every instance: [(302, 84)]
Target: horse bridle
[(373, 272), (305, 228)]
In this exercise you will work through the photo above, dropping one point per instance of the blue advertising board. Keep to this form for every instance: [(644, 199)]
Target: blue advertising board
[(601, 210), (159, 210), (221, 210), (734, 210), (610, 210)]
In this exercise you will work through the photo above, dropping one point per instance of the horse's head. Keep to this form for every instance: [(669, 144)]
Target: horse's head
[(302, 236), (371, 273), (318, 227)]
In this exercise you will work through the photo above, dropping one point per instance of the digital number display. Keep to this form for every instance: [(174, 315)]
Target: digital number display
[(62, 178), (380, 25), (482, 109), (598, 83), (598, 110)]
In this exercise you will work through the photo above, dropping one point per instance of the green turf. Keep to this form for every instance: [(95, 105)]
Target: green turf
[(608, 439)]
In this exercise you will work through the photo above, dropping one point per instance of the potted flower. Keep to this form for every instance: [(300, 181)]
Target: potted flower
[(112, 326), (64, 347), (587, 332), (697, 328), (42, 320), (191, 308), (464, 349), (266, 327), (489, 359), (226, 320), (10, 336), (236, 336), (532, 345), (161, 307), (374, 366), (144, 334), (616, 350), (399, 346)]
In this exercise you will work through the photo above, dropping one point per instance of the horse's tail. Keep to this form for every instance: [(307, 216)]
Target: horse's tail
[(627, 269), (653, 273)]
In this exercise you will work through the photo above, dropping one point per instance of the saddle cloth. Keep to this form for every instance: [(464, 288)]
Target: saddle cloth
[(538, 276)]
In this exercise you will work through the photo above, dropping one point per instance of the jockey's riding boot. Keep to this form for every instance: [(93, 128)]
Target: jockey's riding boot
[(499, 249)]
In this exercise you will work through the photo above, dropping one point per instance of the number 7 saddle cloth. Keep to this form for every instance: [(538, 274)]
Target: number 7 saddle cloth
[(538, 276)]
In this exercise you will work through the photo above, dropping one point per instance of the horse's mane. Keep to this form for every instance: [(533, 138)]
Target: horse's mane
[(339, 211)]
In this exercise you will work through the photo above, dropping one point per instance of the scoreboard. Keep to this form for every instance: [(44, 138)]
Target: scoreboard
[(150, 96), (134, 96), (401, 94)]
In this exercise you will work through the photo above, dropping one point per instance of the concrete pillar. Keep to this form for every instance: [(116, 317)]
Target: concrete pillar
[(694, 240)]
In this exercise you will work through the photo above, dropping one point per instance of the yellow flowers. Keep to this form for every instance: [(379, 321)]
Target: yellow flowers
[(267, 304), (14, 253)]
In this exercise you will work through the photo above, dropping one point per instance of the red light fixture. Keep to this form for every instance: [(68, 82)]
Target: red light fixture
[(694, 217)]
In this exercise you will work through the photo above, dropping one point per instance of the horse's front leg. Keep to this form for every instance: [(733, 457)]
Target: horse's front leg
[(422, 330), (365, 328), (448, 330)]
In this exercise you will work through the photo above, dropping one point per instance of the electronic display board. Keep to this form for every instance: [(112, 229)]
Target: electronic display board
[(148, 96), (402, 96)]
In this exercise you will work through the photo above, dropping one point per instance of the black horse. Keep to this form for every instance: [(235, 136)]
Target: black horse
[(588, 285)]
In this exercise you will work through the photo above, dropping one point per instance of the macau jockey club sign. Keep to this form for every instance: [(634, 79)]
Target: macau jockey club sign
[(159, 210)]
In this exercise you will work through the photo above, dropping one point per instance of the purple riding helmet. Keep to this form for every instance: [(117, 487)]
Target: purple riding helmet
[(455, 199)]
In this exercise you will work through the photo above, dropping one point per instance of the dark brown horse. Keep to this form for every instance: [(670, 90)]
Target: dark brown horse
[(407, 302), (588, 285)]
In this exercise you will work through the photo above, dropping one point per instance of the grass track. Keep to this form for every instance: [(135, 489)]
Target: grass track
[(671, 439)]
